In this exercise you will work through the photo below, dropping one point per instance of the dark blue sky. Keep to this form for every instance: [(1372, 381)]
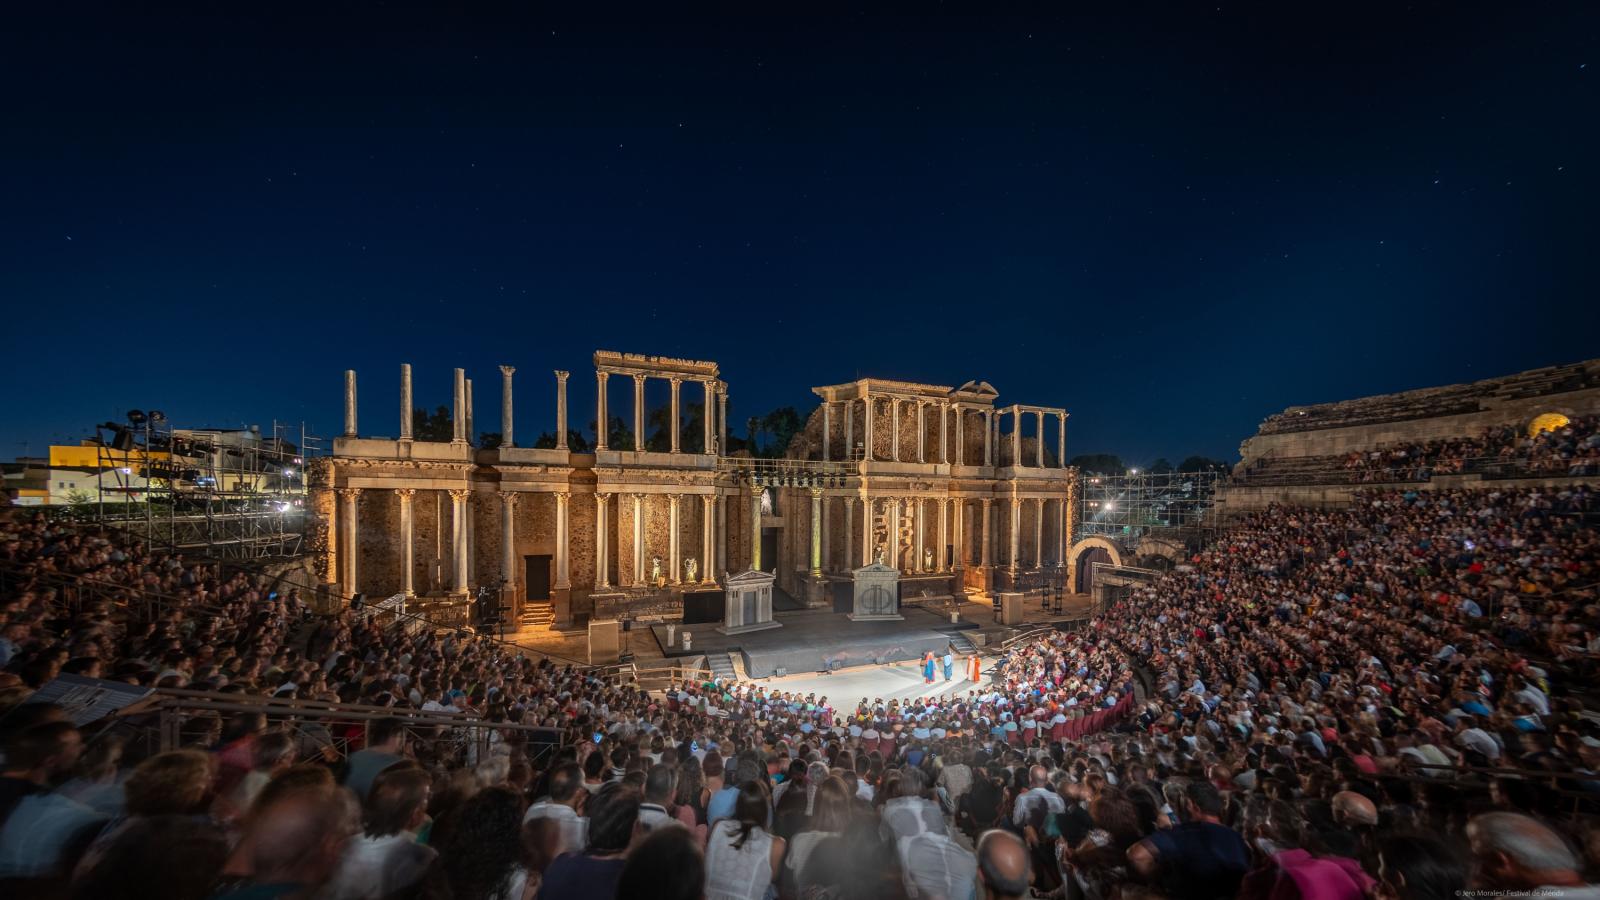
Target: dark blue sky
[(1172, 220)]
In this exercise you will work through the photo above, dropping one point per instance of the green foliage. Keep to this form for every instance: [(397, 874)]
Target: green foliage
[(437, 426), (488, 440), (1098, 464), (576, 442), (618, 436), (1161, 466), (1202, 464)]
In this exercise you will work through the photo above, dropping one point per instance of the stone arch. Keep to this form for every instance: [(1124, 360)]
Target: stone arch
[(1084, 546), (1166, 548)]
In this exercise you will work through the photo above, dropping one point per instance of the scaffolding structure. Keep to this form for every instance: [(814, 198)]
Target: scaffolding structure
[(220, 493), (1124, 508)]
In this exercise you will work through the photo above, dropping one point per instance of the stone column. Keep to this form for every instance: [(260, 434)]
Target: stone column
[(508, 538), (602, 424), (1038, 532), (672, 537), (988, 437), (944, 542), (922, 432), (350, 403), (706, 418), (919, 532), (677, 388), (458, 539), (816, 532), (638, 413), (458, 414), (563, 540), (347, 518), (1061, 440), (561, 409), (870, 437), (960, 555), (894, 424), (849, 532), (1016, 533), (405, 402), (471, 422), (722, 536), (827, 534), (507, 439), (708, 539), (407, 558), (602, 542), (638, 527), (1016, 436), (827, 428), (722, 421), (755, 526), (1061, 530), (849, 429), (944, 433), (983, 558), (902, 508), (1038, 444)]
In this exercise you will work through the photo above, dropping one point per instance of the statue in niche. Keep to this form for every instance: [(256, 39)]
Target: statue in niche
[(691, 568), (655, 570), (880, 556), (927, 560)]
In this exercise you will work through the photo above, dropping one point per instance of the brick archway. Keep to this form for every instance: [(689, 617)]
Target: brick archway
[(1084, 546)]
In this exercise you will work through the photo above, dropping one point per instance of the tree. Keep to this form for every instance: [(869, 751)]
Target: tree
[(753, 426), (1098, 464), (618, 436), (488, 440), (1161, 466), (576, 442), (1202, 464), (436, 426), (782, 424)]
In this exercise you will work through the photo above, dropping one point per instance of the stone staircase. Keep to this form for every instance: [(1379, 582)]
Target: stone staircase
[(537, 614), (963, 646), (722, 665)]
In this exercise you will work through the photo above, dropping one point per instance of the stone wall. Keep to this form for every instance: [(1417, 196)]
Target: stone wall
[(1233, 501)]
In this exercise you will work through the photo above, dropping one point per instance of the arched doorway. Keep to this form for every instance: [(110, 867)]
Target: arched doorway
[(1086, 563), (1083, 556)]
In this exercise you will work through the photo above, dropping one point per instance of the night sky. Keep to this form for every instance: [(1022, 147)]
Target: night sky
[(1171, 220)]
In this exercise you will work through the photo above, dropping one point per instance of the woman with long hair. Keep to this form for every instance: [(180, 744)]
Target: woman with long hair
[(829, 810), (691, 788), (481, 855), (742, 858)]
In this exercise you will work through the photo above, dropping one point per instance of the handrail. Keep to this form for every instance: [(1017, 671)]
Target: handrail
[(1339, 473)]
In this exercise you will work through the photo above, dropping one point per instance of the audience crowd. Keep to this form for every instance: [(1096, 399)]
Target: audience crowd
[(1381, 700)]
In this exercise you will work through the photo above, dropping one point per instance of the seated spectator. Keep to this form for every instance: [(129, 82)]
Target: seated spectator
[(667, 865), (742, 858), (1517, 853), (564, 806), (386, 857), (613, 827), (1199, 858), (296, 844)]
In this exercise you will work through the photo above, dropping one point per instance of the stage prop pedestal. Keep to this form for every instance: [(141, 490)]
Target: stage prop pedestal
[(877, 596), (748, 603)]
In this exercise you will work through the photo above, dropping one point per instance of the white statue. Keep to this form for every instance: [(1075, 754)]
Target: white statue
[(655, 570), (927, 560), (880, 555), (691, 567)]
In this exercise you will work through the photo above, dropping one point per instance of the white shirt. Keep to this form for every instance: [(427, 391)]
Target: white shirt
[(1031, 799), (375, 867), (574, 828)]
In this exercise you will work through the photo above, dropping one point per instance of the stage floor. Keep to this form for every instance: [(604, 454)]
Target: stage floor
[(897, 681), (817, 639)]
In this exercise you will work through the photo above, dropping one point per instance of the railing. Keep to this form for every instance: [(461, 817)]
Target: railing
[(1488, 467), (787, 472), (654, 677)]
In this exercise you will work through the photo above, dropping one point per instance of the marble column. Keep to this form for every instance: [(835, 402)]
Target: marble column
[(350, 403), (944, 433), (638, 529), (867, 421), (827, 429), (1038, 443), (458, 414), (901, 510), (561, 409), (866, 530), (1061, 530), (722, 421), (708, 520), (458, 540), (922, 432), (707, 417), (919, 533), (849, 429), (508, 538), (984, 557), (1061, 440), (943, 551), (601, 423), (352, 549), (894, 425), (1016, 533), (988, 437), (677, 389), (638, 414), (507, 439), (722, 536), (755, 527), (602, 542), (1016, 436), (563, 540), (849, 532), (1039, 532), (960, 555), (827, 535), (676, 571), (407, 550), (816, 532), (406, 410), (471, 422)]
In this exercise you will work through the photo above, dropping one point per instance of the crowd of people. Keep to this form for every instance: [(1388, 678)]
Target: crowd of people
[(1570, 449), (1379, 700)]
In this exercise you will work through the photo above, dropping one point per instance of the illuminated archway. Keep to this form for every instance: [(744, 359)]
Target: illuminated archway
[(1108, 551), (1547, 422)]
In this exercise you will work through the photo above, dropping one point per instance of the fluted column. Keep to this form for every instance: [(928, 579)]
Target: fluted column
[(638, 413), (922, 432), (508, 538), (816, 532), (849, 532), (866, 530), (918, 535), (602, 423), (406, 409), (677, 388), (1016, 436), (602, 542), (1039, 441), (944, 432), (708, 525), (563, 540), (638, 539), (471, 422), (894, 424), (1061, 530), (827, 535), (988, 437), (985, 557), (900, 510), (1038, 532), (1061, 440), (1016, 533), (561, 409), (867, 421), (672, 537), (944, 542), (706, 418), (349, 402), (458, 412), (850, 430), (458, 539), (755, 527), (352, 550), (407, 551), (827, 429), (722, 421), (507, 437), (960, 554)]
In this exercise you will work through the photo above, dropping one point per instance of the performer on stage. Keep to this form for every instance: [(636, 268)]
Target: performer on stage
[(927, 668), (974, 669), (949, 662)]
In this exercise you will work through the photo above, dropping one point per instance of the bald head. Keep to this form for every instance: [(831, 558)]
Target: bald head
[(1003, 864), (1517, 852), (1352, 808), (1038, 777)]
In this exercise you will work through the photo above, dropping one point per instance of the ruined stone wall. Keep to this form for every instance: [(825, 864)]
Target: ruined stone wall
[(377, 530)]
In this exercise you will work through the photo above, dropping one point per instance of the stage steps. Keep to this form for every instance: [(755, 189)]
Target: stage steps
[(962, 645), (721, 665), (537, 614)]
